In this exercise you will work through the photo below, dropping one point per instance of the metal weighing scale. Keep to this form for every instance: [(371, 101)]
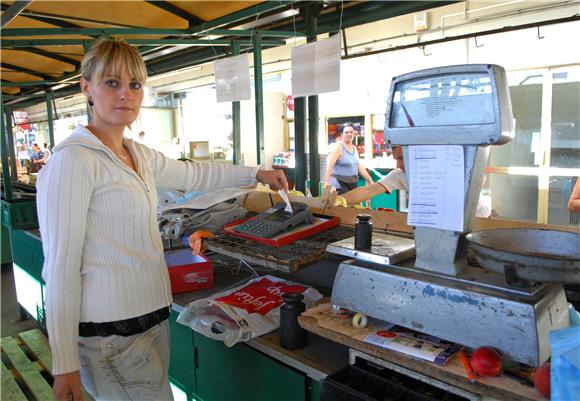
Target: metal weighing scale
[(437, 292)]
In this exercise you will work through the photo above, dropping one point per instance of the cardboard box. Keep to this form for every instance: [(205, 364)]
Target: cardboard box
[(187, 272)]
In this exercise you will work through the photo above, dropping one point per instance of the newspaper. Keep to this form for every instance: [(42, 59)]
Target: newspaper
[(410, 342)]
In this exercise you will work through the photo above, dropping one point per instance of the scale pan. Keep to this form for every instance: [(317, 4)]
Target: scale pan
[(546, 256)]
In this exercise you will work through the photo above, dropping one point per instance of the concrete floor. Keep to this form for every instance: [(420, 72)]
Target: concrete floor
[(11, 323)]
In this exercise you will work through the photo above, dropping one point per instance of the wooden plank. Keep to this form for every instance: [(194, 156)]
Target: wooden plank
[(38, 344), (28, 370), (321, 320), (10, 390)]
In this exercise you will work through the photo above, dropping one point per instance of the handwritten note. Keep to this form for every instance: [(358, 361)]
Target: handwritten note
[(436, 186), (316, 67)]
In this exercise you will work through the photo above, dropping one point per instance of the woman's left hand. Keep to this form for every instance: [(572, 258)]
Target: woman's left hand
[(275, 178)]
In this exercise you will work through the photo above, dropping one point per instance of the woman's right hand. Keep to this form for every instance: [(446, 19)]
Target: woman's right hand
[(68, 383)]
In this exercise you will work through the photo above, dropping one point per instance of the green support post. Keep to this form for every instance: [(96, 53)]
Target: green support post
[(49, 116), (300, 143), (236, 116), (4, 151), (10, 144), (259, 98), (311, 12)]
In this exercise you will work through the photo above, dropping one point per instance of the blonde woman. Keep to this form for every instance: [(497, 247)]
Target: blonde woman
[(107, 287)]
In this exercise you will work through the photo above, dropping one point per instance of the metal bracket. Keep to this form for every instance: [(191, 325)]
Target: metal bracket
[(539, 35)]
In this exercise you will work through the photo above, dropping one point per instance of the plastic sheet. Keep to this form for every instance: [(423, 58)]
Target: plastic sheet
[(565, 364)]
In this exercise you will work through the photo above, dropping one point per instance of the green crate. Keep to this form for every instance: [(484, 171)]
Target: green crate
[(19, 214)]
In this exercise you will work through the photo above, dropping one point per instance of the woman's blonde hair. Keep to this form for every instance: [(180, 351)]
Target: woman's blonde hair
[(112, 57)]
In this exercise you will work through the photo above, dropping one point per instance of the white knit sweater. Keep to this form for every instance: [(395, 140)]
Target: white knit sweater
[(103, 253)]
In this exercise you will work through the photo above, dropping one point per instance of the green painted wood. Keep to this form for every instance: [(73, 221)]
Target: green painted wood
[(4, 151), (182, 364), (27, 253), (17, 43), (10, 390), (313, 390), (236, 117), (20, 32), (242, 374), (6, 250), (38, 344), (27, 370), (49, 104), (13, 10), (10, 148), (259, 99)]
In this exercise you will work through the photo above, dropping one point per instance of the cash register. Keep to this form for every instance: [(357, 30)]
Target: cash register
[(275, 220)]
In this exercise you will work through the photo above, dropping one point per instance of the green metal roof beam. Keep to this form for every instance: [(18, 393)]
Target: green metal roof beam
[(242, 14), (149, 42), (18, 32), (12, 12), (54, 56), (181, 13), (8, 84), (16, 68), (51, 21)]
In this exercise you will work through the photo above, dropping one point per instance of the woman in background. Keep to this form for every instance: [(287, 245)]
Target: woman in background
[(343, 164)]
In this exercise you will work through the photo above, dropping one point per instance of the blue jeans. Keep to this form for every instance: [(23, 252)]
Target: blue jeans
[(133, 368)]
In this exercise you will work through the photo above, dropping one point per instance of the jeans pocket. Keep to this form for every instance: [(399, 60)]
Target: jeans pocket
[(134, 361)]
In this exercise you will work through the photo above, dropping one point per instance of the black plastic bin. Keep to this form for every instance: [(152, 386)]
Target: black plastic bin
[(364, 382)]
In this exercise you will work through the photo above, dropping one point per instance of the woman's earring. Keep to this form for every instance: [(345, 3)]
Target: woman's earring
[(91, 102)]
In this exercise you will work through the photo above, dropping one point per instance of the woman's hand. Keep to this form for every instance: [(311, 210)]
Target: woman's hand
[(275, 178), (68, 383)]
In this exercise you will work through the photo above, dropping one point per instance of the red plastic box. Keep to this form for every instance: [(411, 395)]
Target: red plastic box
[(187, 272)]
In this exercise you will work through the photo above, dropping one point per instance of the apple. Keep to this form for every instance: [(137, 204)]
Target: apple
[(542, 380), (486, 361)]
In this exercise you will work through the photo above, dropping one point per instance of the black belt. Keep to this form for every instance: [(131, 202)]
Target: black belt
[(125, 328)]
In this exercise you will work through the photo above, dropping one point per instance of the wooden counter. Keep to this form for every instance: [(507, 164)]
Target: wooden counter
[(321, 320)]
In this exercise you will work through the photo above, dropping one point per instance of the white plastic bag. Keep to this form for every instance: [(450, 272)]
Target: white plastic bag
[(244, 312)]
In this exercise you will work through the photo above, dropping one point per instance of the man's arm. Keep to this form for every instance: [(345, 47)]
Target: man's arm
[(574, 201), (362, 194)]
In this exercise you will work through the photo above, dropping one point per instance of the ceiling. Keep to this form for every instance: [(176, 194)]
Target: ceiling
[(43, 42)]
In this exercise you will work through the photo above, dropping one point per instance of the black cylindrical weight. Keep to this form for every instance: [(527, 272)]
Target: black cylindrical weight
[(292, 336), (363, 233)]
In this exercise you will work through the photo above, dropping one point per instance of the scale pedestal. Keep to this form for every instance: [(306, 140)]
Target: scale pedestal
[(474, 309)]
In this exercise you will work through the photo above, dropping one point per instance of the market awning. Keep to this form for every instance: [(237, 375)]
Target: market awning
[(43, 42)]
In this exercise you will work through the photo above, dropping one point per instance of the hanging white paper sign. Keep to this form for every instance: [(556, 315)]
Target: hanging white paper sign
[(316, 67), (232, 76)]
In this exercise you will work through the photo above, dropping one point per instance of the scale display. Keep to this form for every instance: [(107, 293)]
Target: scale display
[(443, 100), (456, 105)]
